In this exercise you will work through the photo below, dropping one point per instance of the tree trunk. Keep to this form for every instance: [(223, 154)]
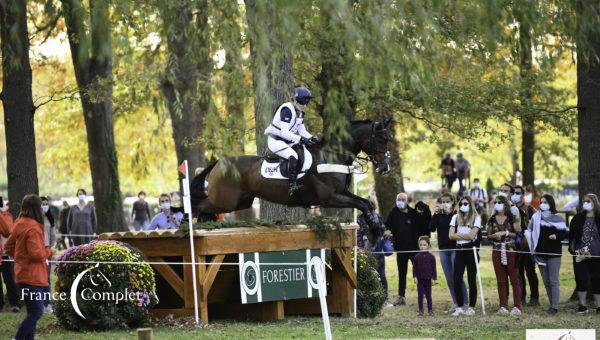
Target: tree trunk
[(186, 80), (229, 31), (233, 75), (588, 100), (273, 82), (388, 186), (16, 96), (527, 123), (338, 106), (92, 60)]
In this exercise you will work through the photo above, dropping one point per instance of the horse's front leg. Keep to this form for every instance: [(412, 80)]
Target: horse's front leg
[(352, 201)]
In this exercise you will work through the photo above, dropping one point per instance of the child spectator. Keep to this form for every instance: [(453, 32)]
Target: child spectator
[(26, 245), (424, 273)]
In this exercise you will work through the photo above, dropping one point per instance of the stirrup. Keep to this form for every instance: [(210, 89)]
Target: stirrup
[(294, 188)]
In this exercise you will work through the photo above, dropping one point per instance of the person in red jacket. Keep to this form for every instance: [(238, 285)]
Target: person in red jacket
[(27, 246), (6, 267)]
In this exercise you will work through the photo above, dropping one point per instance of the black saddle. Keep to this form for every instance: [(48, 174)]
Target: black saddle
[(283, 163)]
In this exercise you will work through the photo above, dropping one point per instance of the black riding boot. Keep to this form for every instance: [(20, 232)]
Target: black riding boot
[(293, 175)]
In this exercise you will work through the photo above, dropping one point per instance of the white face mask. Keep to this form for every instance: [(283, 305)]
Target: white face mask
[(476, 184), (499, 207), (588, 206), (544, 207), (464, 208), (447, 206), (81, 197), (142, 197), (528, 198), (45, 208), (516, 198), (503, 194), (166, 205), (401, 204)]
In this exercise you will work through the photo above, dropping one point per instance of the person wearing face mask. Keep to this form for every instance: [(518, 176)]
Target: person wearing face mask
[(584, 243), (544, 234), (50, 242), (82, 221), (440, 222), (479, 196), (140, 212), (464, 229), (167, 218), (525, 260), (503, 229), (406, 225)]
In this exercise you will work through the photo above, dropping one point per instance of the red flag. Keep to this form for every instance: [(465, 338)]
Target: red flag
[(182, 168)]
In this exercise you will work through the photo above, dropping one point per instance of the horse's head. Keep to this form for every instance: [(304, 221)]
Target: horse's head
[(375, 144)]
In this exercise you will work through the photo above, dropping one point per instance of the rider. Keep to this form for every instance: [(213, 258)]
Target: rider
[(287, 130)]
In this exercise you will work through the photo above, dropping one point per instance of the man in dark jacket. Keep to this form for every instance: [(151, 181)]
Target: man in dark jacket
[(406, 225)]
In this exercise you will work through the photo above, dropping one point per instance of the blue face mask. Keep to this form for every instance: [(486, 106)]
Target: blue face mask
[(401, 204)]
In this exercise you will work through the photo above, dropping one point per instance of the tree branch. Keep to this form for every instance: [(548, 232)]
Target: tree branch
[(52, 98), (50, 26)]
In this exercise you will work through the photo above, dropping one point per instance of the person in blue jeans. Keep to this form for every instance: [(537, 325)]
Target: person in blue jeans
[(440, 222), (26, 245)]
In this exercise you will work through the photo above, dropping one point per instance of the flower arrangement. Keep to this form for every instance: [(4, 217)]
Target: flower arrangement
[(115, 295), (370, 295)]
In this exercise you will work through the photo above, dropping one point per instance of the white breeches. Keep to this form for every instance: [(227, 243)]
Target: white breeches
[(281, 148)]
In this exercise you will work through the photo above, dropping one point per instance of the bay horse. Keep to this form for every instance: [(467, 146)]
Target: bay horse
[(234, 182)]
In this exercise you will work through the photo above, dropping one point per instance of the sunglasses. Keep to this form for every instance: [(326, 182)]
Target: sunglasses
[(587, 201), (303, 101), (498, 202), (45, 204), (464, 203)]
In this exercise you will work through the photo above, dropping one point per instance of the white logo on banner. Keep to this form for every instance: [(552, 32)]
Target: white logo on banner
[(560, 334)]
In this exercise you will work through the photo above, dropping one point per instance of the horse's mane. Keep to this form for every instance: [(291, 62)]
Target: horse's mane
[(364, 121)]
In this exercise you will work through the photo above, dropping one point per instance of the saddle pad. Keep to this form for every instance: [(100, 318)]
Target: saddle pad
[(273, 169)]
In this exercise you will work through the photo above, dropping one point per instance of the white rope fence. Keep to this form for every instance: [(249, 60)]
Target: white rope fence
[(305, 263)]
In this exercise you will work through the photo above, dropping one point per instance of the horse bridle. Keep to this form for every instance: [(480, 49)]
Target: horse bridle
[(372, 158)]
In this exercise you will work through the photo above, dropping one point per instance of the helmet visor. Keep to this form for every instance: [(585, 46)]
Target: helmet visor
[(303, 101)]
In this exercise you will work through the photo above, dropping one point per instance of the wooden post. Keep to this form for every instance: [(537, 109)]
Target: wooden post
[(342, 295), (203, 291), (145, 334)]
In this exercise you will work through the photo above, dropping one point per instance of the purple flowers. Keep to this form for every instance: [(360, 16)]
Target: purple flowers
[(143, 299)]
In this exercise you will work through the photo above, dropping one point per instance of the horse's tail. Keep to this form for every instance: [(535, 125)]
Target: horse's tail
[(197, 190)]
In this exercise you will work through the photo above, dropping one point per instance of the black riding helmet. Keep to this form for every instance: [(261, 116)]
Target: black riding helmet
[(302, 95)]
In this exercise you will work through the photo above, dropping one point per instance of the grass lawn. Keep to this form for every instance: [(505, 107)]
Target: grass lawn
[(394, 322)]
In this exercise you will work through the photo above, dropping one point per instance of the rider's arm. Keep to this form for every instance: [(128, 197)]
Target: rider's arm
[(287, 134), (286, 117), (302, 131)]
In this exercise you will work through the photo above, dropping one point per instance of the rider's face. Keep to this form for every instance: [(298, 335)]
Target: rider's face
[(302, 103)]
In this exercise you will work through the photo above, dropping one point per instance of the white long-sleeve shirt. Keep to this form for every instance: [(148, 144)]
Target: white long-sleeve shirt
[(288, 124)]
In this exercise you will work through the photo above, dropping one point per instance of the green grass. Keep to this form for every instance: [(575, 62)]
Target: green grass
[(394, 322)]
